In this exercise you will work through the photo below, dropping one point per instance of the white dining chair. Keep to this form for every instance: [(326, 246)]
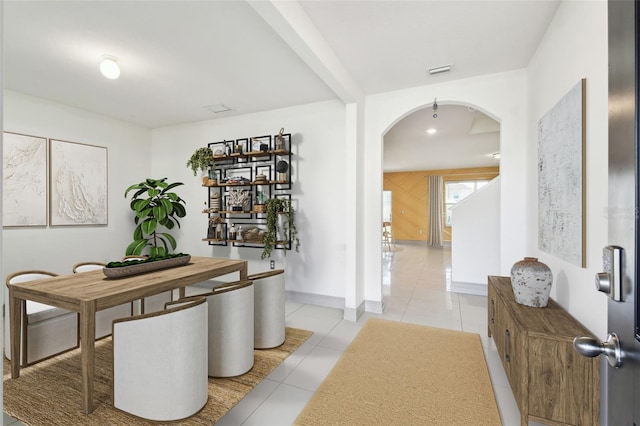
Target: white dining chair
[(269, 309), (230, 328), (45, 330), (160, 362), (105, 317)]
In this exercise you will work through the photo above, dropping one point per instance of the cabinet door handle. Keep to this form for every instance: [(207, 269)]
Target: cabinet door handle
[(507, 345), (493, 311)]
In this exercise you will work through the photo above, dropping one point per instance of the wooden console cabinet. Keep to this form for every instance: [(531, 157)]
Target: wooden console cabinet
[(551, 382)]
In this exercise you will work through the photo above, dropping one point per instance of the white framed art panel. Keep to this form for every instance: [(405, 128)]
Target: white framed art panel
[(561, 178), (24, 190), (79, 184)]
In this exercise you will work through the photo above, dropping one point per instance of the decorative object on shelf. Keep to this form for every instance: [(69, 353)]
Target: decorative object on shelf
[(531, 281), (215, 228), (239, 234), (201, 159), (280, 140), (261, 199), (215, 202), (253, 234), (134, 267), (238, 198), (155, 205), (227, 149), (282, 167), (232, 232), (277, 207), (238, 149), (260, 179)]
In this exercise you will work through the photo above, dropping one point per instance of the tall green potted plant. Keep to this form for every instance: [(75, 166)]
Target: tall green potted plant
[(277, 207), (155, 205)]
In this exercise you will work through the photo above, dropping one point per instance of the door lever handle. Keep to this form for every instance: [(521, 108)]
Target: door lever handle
[(590, 347)]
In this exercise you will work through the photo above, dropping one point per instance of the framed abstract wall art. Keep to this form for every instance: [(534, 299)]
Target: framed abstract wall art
[(561, 178), (78, 184), (24, 191)]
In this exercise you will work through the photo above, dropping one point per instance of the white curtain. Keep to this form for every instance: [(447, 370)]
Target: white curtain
[(435, 211)]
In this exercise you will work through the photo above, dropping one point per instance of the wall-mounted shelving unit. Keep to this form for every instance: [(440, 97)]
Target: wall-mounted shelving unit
[(250, 170)]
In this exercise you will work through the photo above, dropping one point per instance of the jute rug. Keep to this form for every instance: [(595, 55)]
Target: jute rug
[(404, 374), (49, 393)]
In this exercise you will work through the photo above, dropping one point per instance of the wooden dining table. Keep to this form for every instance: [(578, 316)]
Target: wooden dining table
[(89, 292)]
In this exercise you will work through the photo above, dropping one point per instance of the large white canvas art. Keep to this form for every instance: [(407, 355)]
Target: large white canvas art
[(78, 184), (24, 190), (561, 168)]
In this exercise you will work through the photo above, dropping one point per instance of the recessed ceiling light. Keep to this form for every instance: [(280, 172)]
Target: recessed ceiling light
[(496, 155), (431, 131), (439, 70), (109, 67)]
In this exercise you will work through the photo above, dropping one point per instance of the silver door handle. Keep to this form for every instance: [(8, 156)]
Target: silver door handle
[(590, 347)]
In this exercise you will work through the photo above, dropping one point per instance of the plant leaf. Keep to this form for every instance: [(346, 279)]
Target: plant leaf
[(136, 247), (149, 225), (171, 240)]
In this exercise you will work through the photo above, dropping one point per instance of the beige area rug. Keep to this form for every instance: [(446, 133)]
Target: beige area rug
[(49, 393), (404, 374)]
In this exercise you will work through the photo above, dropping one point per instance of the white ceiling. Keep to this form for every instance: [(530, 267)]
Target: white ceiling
[(464, 138), (179, 56)]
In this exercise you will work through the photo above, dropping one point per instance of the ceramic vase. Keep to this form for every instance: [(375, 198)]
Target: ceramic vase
[(531, 281)]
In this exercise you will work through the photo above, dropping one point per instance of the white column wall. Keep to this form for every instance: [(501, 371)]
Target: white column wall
[(574, 47), (57, 249), (501, 96), (319, 181)]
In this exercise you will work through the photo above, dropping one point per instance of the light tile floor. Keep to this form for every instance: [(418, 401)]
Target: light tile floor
[(416, 283)]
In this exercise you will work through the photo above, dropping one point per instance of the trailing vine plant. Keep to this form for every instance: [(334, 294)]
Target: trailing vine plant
[(201, 159), (276, 207)]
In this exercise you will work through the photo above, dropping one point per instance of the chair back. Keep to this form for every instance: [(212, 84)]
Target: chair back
[(87, 266), (269, 309), (30, 275), (160, 362)]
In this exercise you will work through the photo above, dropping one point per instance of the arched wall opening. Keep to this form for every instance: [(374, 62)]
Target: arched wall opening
[(500, 96)]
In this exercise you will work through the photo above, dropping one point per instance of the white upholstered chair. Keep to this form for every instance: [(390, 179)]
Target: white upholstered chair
[(160, 362), (230, 328), (45, 330), (105, 317), (269, 309)]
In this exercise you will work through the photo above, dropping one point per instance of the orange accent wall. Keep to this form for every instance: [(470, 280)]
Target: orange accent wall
[(410, 195)]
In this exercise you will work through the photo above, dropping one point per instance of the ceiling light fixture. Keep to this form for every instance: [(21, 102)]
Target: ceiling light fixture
[(440, 70), (109, 67), (431, 131)]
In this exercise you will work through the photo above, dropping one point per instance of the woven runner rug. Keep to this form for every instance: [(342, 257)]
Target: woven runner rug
[(405, 374), (49, 393)]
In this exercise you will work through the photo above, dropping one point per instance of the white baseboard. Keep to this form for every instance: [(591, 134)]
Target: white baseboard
[(315, 299), (469, 288), (351, 314)]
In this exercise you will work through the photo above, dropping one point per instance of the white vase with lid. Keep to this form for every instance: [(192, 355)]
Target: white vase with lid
[(531, 282)]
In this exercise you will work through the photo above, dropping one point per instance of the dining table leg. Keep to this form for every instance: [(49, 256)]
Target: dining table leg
[(15, 318), (87, 351)]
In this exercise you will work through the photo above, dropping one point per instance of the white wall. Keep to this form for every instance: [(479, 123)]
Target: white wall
[(57, 249), (574, 47), (501, 96), (475, 239), (318, 172)]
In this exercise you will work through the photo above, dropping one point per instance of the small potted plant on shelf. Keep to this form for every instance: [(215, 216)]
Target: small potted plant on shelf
[(261, 199), (279, 209), (154, 205), (201, 159)]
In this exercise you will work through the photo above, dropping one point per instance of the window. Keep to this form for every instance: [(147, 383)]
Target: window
[(386, 206), (455, 192)]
